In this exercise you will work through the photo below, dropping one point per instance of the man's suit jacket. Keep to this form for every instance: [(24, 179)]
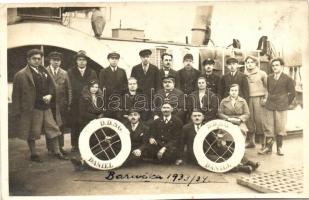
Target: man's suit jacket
[(172, 73), (213, 83), (240, 79), (210, 104), (174, 97), (63, 88), (78, 82), (189, 134), (139, 137), (23, 98), (281, 92), (114, 82), (187, 81), (147, 81), (167, 135)]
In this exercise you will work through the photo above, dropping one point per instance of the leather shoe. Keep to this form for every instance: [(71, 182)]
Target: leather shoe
[(250, 145), (63, 152), (60, 156), (36, 158), (78, 165), (254, 165), (245, 168), (279, 152), (264, 151)]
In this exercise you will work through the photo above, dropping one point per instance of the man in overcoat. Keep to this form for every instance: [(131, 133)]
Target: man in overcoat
[(113, 80), (146, 74), (79, 77), (234, 76), (169, 94), (33, 100), (213, 81), (187, 76), (63, 94), (281, 93)]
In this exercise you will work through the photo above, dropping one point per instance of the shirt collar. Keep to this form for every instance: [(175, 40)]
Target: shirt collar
[(134, 125), (168, 118), (114, 68)]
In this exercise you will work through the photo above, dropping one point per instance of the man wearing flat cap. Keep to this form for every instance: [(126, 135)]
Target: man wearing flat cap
[(232, 77), (63, 94), (213, 81), (113, 80), (188, 75), (34, 106), (146, 74), (169, 94), (79, 77), (167, 60)]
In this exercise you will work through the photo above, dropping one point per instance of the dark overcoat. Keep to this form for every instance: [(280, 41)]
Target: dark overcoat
[(23, 99)]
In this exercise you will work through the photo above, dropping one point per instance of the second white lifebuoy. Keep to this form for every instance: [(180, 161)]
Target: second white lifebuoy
[(231, 162), (122, 134)]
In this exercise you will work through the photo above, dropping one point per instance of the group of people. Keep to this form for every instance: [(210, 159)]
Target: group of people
[(162, 108)]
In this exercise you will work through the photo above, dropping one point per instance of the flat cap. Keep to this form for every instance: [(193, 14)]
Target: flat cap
[(188, 56), (55, 54), (32, 52), (113, 55), (145, 52), (231, 60), (209, 61), (81, 53)]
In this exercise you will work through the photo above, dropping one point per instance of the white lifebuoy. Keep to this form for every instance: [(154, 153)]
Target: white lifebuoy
[(235, 158), (85, 149)]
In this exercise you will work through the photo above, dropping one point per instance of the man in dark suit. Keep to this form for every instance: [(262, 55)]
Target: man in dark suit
[(63, 94), (234, 76), (204, 100), (187, 76), (135, 99), (213, 81), (171, 94), (281, 93), (34, 102), (189, 132), (167, 60), (79, 77), (113, 80), (146, 74), (139, 134), (166, 136)]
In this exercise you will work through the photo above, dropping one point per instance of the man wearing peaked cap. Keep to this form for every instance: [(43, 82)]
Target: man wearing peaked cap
[(213, 81), (145, 52), (232, 77), (146, 74), (209, 61), (171, 94), (113, 80), (166, 136), (187, 76), (55, 55), (63, 95), (113, 55)]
